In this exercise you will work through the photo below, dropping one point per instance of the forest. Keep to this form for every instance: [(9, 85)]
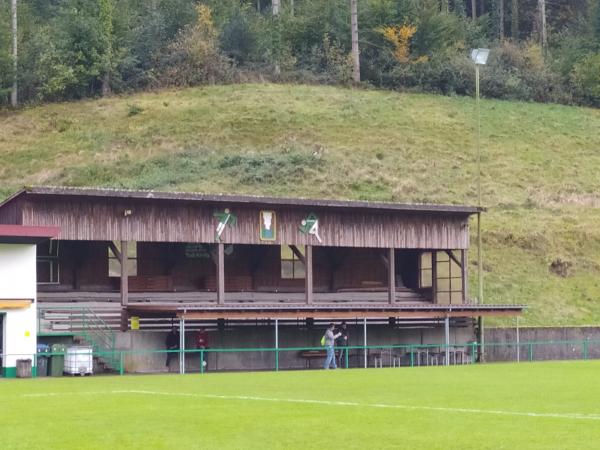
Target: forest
[(541, 50)]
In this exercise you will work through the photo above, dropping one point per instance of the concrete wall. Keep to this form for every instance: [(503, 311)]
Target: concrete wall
[(545, 348), (18, 281), (264, 337)]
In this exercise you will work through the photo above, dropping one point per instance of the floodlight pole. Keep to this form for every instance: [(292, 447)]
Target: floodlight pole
[(478, 136), (479, 204)]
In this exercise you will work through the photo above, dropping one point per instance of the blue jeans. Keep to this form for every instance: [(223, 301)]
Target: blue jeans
[(330, 358)]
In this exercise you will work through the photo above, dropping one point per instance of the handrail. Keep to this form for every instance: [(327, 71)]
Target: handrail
[(87, 324)]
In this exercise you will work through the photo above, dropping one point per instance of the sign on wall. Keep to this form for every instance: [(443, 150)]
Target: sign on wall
[(310, 225), (268, 223), (225, 218)]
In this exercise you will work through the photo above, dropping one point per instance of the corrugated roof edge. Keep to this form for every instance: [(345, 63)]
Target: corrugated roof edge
[(248, 199)]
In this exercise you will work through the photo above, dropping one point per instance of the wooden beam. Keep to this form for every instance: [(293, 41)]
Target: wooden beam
[(124, 284), (453, 258), (385, 261), (308, 273), (392, 275), (464, 273), (115, 250), (298, 253), (220, 273)]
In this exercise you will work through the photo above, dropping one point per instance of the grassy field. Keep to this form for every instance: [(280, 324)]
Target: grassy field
[(526, 406), (540, 166)]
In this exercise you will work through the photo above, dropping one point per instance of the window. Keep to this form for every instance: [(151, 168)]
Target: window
[(291, 265), (449, 277), (47, 263), (114, 266), (426, 271)]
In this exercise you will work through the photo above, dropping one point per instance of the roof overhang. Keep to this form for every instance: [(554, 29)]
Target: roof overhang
[(249, 200), (329, 312), (21, 234)]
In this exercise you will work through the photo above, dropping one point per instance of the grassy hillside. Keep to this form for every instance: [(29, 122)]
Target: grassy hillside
[(540, 166)]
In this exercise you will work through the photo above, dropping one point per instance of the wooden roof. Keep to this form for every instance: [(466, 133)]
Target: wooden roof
[(250, 200)]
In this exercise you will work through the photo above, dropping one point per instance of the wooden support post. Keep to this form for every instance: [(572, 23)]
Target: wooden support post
[(434, 276), (220, 273), (392, 276), (464, 268), (308, 274), (124, 285)]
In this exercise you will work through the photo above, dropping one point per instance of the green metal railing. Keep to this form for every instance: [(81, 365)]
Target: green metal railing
[(83, 323), (410, 355)]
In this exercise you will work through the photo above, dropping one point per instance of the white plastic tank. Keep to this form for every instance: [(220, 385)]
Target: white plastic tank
[(79, 361)]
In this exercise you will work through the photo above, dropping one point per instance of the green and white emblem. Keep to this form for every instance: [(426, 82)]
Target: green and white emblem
[(226, 218), (310, 225)]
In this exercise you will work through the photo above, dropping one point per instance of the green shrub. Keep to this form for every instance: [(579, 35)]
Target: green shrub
[(586, 80), (194, 58)]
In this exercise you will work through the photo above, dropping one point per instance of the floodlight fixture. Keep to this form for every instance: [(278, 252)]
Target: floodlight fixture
[(480, 55)]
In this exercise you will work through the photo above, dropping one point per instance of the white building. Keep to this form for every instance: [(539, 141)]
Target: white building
[(18, 324)]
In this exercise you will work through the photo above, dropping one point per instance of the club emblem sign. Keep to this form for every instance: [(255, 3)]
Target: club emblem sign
[(225, 218), (268, 224), (310, 225)]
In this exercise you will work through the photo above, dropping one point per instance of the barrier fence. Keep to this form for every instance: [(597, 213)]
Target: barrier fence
[(295, 358)]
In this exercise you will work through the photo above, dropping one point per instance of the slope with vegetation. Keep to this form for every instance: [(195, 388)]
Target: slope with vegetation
[(539, 166)]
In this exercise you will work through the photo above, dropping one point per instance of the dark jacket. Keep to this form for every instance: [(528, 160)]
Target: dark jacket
[(172, 340), (344, 339)]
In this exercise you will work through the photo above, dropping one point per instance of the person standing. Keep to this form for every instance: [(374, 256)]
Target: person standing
[(343, 342), (330, 338), (172, 343), (202, 344)]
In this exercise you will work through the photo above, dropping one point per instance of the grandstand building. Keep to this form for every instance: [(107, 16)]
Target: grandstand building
[(136, 262)]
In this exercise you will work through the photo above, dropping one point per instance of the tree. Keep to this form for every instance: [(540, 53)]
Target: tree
[(354, 31), (106, 30), (514, 19), (275, 5), (542, 24), (13, 94), (501, 19)]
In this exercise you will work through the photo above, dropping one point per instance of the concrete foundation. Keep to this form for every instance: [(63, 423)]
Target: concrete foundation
[(540, 343)]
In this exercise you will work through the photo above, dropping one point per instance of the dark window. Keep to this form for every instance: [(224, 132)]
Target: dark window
[(48, 269)]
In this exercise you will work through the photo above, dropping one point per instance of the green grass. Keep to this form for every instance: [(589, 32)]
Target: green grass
[(540, 166), (526, 406)]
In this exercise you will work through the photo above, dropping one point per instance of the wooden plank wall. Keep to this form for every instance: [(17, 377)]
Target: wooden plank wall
[(160, 221), (11, 214)]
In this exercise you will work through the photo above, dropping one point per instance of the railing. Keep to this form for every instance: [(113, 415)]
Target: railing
[(81, 322), (294, 358)]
